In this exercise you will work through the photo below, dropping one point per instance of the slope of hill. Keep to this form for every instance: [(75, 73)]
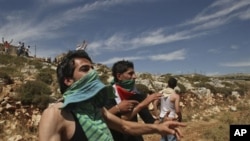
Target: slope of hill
[(209, 104)]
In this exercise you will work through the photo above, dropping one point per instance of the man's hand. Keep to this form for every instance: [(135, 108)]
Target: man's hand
[(126, 106), (150, 98), (171, 127), (166, 118)]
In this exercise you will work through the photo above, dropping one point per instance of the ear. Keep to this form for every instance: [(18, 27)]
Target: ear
[(118, 76), (68, 81)]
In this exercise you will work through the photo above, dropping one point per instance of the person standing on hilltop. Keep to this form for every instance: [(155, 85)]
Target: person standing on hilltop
[(82, 46), (126, 92), (6, 45), (19, 45), (81, 116), (26, 49)]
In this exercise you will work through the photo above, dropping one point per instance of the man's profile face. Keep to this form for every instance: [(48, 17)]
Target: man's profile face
[(127, 75), (82, 67)]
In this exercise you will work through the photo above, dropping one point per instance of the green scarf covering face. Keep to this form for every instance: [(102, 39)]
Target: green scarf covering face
[(127, 84), (85, 98), (86, 88)]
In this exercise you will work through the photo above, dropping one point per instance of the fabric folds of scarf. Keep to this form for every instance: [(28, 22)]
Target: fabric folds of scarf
[(127, 84), (92, 122), (167, 92), (83, 89), (83, 95)]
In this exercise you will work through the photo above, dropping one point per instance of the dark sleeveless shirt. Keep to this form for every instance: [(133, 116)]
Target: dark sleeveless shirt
[(79, 134), (144, 114)]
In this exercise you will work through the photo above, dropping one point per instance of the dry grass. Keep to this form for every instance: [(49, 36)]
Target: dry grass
[(213, 128)]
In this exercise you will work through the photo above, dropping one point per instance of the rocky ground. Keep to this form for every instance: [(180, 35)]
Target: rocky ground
[(207, 115), (19, 123)]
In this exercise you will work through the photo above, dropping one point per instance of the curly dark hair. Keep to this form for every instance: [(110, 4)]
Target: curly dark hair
[(66, 67)]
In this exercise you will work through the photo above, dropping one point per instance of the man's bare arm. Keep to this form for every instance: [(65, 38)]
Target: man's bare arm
[(123, 107), (48, 125), (141, 105), (11, 41), (135, 128), (178, 108)]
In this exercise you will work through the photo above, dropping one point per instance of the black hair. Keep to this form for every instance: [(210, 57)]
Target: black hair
[(172, 82), (121, 67), (66, 67)]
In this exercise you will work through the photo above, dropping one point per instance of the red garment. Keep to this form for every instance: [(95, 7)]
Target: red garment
[(123, 93), (6, 45)]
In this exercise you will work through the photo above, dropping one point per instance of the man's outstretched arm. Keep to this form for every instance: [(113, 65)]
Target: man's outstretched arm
[(135, 128)]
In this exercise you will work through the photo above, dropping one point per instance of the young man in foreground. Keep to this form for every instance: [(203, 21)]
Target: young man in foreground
[(82, 115)]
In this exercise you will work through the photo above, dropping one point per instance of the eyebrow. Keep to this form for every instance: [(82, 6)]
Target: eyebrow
[(131, 72), (86, 65)]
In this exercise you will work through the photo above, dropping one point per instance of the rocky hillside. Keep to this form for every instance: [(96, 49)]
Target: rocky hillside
[(203, 98)]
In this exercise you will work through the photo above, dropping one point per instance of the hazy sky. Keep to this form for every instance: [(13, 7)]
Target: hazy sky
[(159, 36)]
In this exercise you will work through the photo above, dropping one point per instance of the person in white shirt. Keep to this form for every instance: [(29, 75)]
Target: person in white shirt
[(170, 103)]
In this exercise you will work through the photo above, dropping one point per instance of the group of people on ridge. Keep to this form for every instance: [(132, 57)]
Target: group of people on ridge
[(93, 111), (21, 49)]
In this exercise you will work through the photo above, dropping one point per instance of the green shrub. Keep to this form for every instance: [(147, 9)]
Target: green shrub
[(9, 70), (211, 88), (182, 88), (241, 91), (41, 101), (38, 65), (197, 78), (242, 88), (165, 77), (7, 79), (145, 76), (227, 84), (48, 70), (34, 92), (12, 60), (225, 91), (104, 79), (45, 77)]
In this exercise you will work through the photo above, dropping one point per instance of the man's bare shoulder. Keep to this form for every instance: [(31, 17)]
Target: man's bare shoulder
[(177, 95), (52, 109), (54, 112), (55, 105)]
